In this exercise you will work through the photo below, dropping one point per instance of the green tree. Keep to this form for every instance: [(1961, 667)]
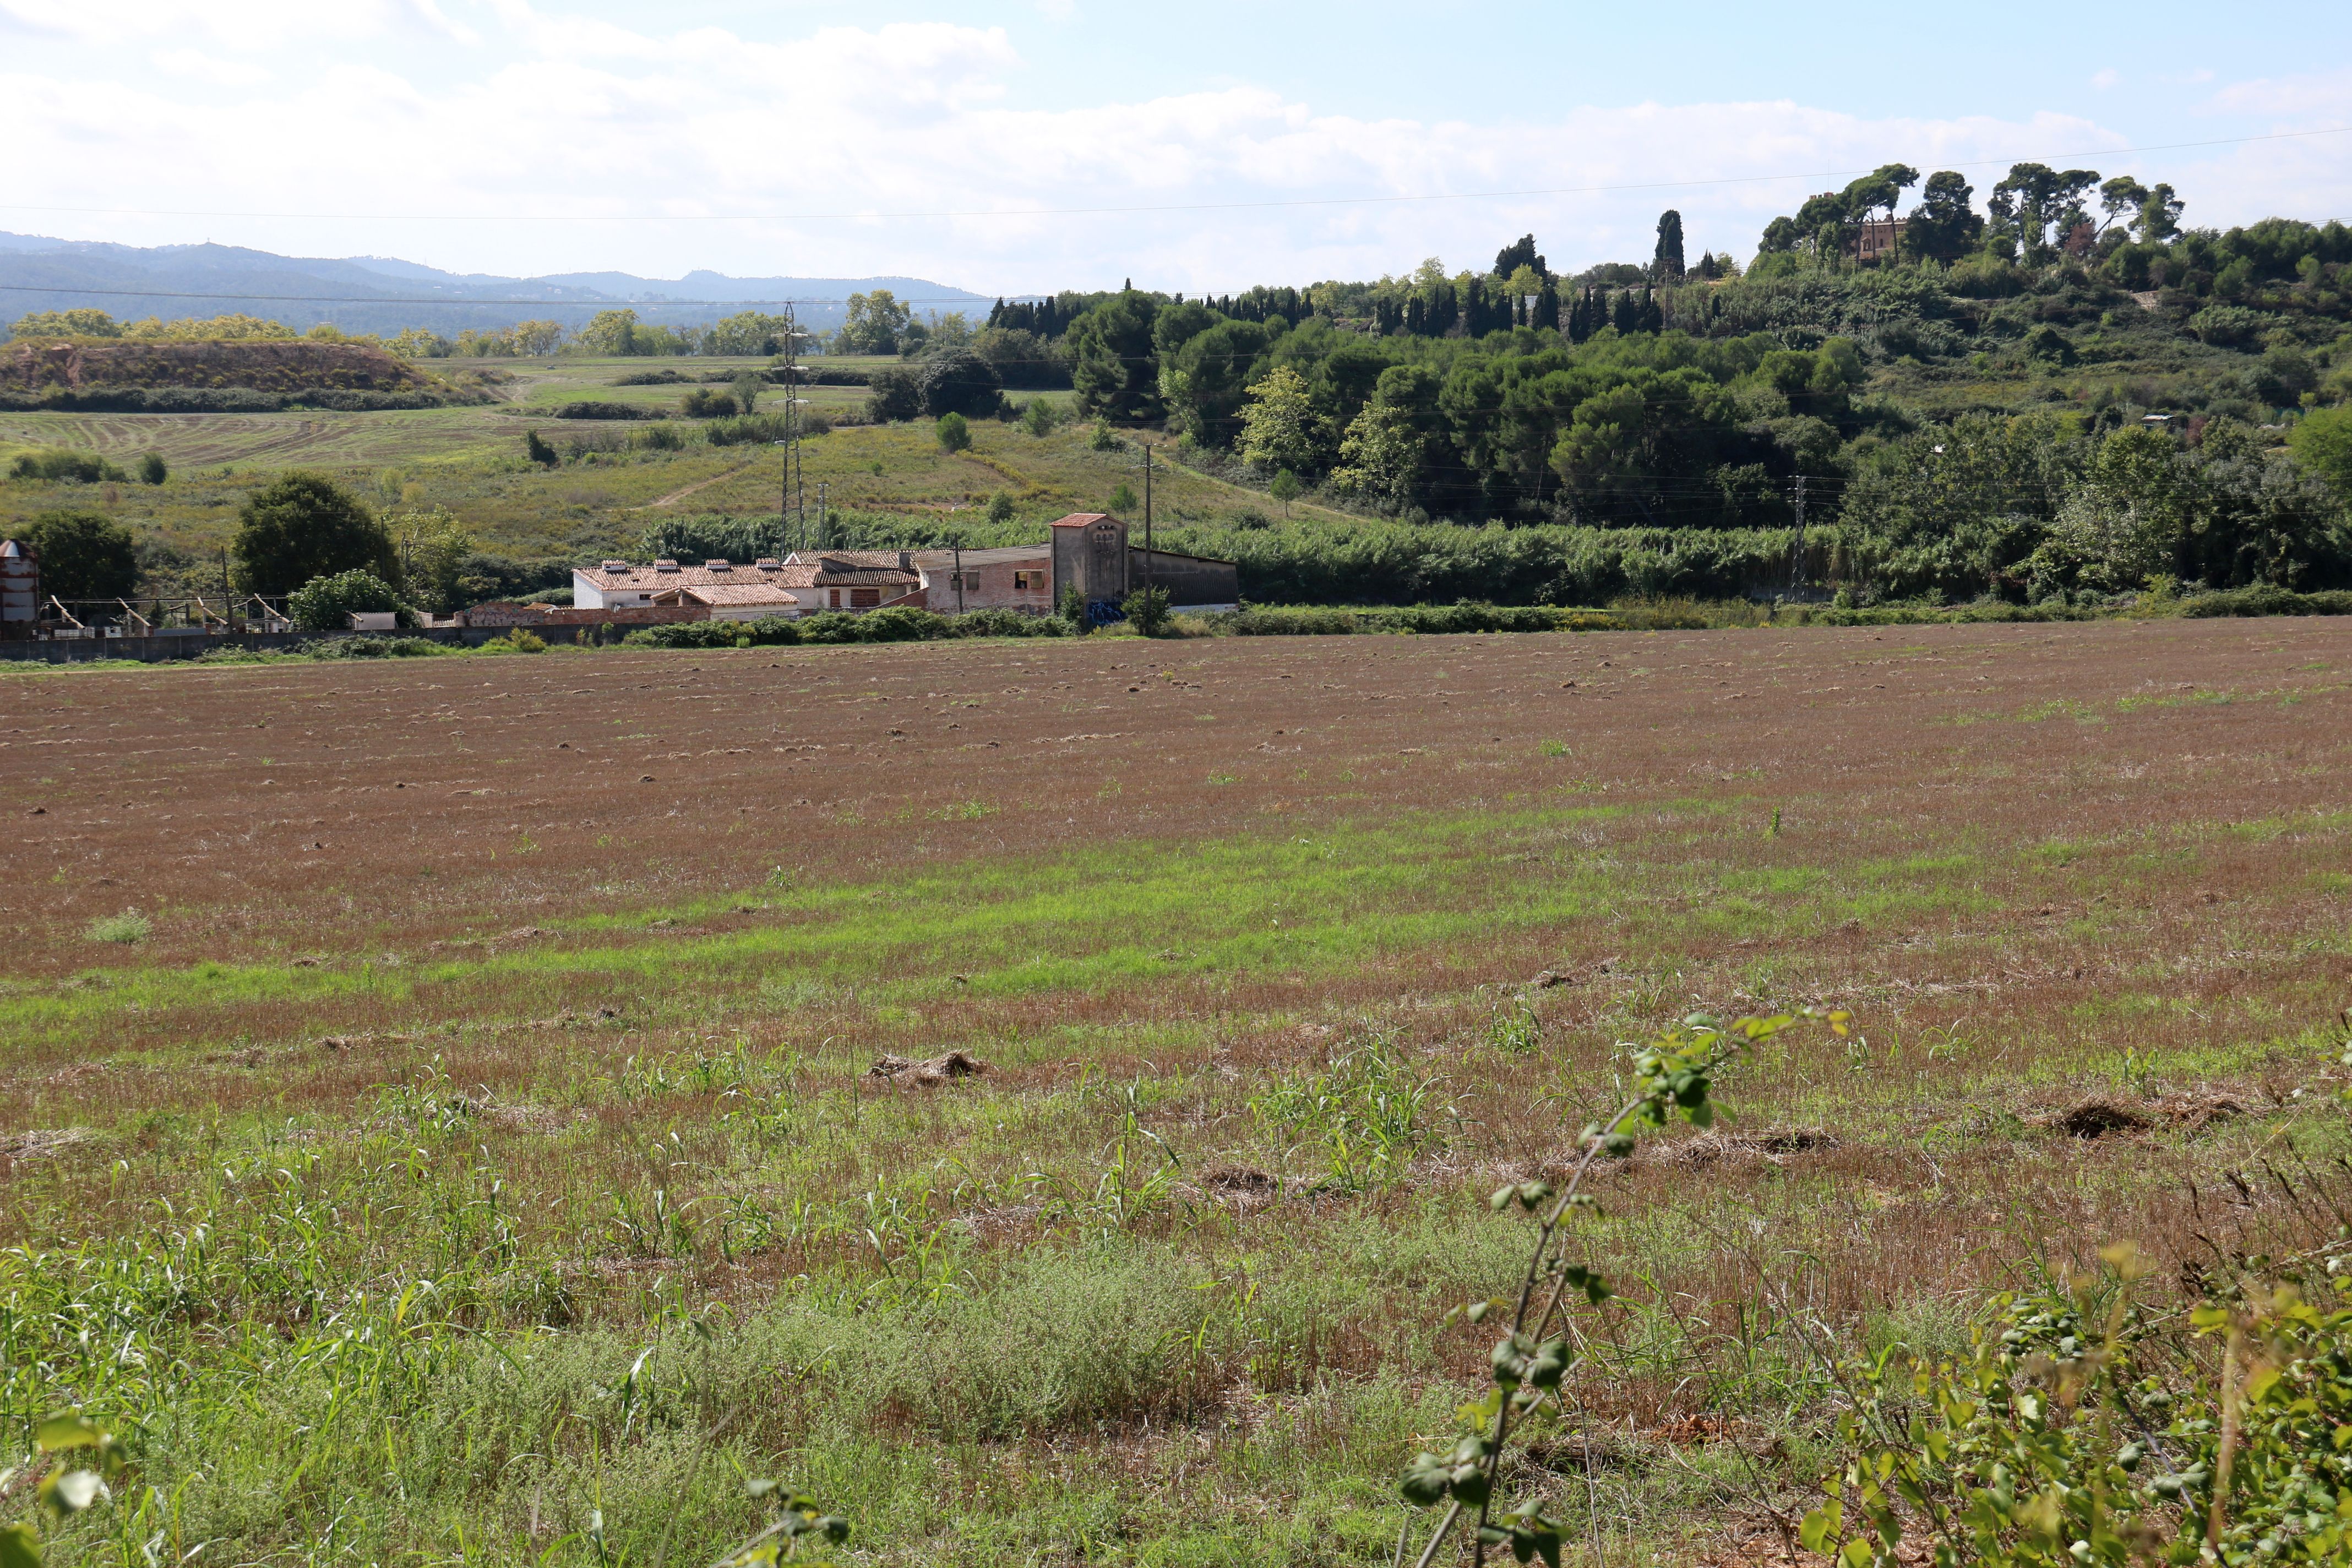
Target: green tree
[(609, 332), (1520, 252), (1280, 428), (748, 332), (1284, 488), (1114, 363), (1943, 226), (302, 526), (153, 469), (327, 604), (419, 342), (2033, 198), (433, 547), (955, 435), (2159, 216), (1037, 417), (67, 324), (2321, 442), (1667, 263), (536, 338), (956, 380), (83, 555), (894, 394), (1391, 445), (874, 325), (1206, 381), (535, 447), (2118, 197)]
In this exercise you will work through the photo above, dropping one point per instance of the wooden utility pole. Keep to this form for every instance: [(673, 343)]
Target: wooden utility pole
[(1148, 573)]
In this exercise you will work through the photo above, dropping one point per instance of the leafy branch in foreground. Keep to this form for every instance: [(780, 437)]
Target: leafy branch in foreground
[(799, 1522), (1673, 1077), (2087, 1429), (73, 1485)]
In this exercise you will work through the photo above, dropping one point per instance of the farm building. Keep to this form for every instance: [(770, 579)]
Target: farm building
[(1088, 552), (800, 586)]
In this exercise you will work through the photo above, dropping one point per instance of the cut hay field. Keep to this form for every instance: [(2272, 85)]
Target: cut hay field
[(438, 1122)]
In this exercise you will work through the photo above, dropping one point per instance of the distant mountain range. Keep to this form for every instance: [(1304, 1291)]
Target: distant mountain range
[(381, 294)]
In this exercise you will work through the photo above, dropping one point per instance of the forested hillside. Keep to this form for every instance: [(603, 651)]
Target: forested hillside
[(2065, 392)]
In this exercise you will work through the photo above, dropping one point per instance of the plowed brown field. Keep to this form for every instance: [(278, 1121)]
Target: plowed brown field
[(622, 931)]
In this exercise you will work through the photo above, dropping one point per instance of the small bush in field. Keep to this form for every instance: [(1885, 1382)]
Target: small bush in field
[(129, 928)]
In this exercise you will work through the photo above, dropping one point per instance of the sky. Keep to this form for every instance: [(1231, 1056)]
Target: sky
[(1074, 143)]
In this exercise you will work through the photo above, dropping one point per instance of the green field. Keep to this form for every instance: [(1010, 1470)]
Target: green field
[(471, 460)]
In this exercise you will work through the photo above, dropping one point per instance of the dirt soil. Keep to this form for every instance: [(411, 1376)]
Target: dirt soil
[(298, 804)]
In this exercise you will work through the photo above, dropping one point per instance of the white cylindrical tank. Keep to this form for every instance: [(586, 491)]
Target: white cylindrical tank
[(20, 586)]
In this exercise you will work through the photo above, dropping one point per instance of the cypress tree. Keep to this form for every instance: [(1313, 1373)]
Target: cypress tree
[(1653, 317), (1548, 307), (1667, 265)]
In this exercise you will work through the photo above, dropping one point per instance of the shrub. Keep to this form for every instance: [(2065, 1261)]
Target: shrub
[(898, 624), (1037, 417), (1104, 440), (659, 436), (897, 395), (1000, 507), (62, 463), (1283, 621), (536, 448), (959, 381), (707, 402), (518, 640), (2217, 1436), (1147, 611), (597, 408), (151, 469), (327, 604), (955, 435), (745, 430), (129, 928), (365, 648)]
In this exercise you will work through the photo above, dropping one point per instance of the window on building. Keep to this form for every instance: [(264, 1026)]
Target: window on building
[(1028, 582), (865, 598), (834, 600)]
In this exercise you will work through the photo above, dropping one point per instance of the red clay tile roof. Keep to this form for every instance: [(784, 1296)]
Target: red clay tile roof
[(641, 579), (733, 594)]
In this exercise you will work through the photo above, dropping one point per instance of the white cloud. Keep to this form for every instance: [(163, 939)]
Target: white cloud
[(236, 23), (558, 118), (201, 67), (2106, 79), (2324, 94)]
